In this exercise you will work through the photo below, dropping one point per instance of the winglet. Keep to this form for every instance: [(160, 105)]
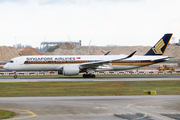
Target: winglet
[(126, 57), (131, 54), (107, 53)]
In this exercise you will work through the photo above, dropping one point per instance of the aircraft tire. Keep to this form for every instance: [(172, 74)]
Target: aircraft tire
[(15, 76), (88, 76), (93, 76), (84, 76)]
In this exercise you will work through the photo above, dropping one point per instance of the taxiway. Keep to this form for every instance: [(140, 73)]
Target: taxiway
[(145, 107), (157, 107)]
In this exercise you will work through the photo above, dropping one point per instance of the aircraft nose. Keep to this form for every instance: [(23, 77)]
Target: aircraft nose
[(5, 66)]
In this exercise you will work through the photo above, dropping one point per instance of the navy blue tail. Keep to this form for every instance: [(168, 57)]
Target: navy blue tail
[(160, 47)]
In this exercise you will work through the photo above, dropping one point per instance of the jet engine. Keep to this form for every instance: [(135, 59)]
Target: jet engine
[(70, 70)]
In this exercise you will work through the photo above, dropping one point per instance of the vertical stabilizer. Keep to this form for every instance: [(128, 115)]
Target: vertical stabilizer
[(160, 47)]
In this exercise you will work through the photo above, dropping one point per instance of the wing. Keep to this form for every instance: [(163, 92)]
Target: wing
[(98, 63)]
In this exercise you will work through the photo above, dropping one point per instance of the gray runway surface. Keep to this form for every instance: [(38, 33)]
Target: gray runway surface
[(116, 78), (157, 107)]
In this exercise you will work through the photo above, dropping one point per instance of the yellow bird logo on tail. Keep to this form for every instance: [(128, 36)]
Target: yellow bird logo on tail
[(158, 46)]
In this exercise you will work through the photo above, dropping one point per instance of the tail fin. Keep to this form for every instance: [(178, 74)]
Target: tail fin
[(160, 47)]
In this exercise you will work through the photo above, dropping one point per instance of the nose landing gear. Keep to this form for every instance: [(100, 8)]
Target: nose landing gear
[(15, 76)]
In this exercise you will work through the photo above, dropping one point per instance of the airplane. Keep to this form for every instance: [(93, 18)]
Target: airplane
[(88, 64)]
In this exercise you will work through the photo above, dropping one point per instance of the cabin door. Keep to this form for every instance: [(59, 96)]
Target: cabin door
[(21, 61)]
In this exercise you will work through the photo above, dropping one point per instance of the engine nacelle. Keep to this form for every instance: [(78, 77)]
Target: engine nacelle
[(70, 70)]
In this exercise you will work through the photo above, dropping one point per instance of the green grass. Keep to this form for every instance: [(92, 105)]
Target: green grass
[(88, 88), (6, 114)]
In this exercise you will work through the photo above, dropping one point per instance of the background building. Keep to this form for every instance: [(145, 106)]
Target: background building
[(46, 45)]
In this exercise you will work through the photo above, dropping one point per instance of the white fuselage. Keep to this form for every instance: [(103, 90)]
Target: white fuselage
[(55, 63)]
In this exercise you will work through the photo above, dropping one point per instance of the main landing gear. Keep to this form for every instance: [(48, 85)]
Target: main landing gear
[(89, 76)]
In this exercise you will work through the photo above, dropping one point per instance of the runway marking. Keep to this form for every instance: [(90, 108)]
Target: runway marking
[(133, 113), (19, 111), (145, 114), (130, 115), (171, 115), (149, 107), (128, 106), (106, 107)]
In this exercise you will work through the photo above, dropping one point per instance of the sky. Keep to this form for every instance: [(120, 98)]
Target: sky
[(103, 22)]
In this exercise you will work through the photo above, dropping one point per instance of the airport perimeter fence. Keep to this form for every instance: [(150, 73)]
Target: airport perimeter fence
[(96, 73)]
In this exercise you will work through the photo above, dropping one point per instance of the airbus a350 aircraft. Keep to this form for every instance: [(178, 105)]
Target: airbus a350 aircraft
[(75, 64)]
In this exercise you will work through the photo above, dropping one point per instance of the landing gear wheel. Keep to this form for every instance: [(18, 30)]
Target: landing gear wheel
[(89, 76), (15, 76), (84, 75), (93, 76)]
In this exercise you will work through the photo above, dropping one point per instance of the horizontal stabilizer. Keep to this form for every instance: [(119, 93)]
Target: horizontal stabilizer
[(161, 59)]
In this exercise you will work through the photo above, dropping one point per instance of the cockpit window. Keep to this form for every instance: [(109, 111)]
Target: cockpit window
[(11, 61)]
